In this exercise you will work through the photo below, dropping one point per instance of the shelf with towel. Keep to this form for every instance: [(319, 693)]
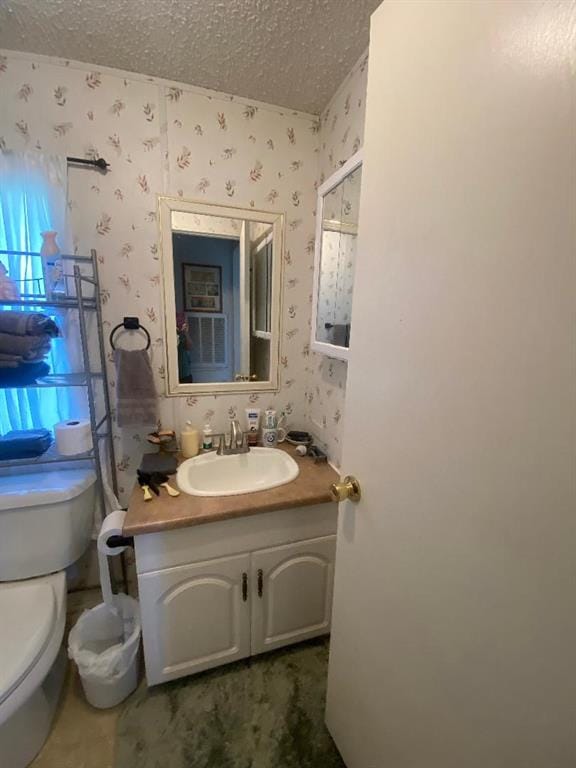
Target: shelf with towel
[(84, 295), (51, 456), (38, 302), (63, 256), (57, 380)]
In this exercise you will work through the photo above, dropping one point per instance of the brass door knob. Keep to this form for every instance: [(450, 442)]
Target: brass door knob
[(349, 488)]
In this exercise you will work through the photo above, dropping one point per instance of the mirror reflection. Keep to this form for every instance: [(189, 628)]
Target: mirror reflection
[(339, 235), (220, 296)]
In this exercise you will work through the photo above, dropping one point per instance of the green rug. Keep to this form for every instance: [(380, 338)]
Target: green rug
[(264, 713)]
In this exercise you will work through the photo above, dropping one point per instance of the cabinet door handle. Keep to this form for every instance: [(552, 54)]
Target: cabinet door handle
[(260, 582), (244, 587)]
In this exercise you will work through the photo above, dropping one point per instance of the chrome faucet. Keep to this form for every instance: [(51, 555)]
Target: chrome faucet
[(238, 441)]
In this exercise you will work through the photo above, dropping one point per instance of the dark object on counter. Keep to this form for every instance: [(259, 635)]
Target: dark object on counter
[(297, 437), (146, 479), (317, 454), (25, 444), (23, 375), (158, 462), (161, 480), (145, 482)]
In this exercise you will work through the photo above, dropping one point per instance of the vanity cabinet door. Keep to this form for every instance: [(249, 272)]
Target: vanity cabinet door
[(195, 617), (292, 592)]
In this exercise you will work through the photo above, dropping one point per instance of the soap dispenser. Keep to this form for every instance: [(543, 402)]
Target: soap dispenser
[(189, 441)]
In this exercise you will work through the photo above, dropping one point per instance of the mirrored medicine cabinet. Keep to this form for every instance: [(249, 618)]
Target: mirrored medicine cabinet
[(221, 269), (335, 257)]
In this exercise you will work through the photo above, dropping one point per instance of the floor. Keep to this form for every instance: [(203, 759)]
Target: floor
[(82, 737), (265, 713)]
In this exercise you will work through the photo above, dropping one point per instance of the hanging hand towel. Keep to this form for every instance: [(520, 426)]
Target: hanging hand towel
[(137, 399)]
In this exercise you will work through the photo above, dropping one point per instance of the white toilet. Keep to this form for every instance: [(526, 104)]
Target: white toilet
[(45, 526)]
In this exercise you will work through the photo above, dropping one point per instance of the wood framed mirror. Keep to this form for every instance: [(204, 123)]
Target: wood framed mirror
[(222, 277)]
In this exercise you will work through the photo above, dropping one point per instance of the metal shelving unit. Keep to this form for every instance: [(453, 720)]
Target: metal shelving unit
[(101, 424)]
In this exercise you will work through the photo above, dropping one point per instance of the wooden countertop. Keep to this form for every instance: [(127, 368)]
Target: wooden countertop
[(164, 512)]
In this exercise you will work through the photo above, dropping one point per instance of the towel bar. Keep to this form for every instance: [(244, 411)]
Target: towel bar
[(130, 324)]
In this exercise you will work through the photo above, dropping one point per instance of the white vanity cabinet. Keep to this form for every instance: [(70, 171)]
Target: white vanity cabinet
[(196, 617), (219, 592), (291, 593)]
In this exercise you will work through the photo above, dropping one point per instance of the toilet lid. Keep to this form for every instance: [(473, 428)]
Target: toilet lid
[(27, 615)]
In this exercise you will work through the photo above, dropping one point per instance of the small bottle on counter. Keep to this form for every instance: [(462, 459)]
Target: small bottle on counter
[(207, 439), (253, 424), (189, 441), (269, 430)]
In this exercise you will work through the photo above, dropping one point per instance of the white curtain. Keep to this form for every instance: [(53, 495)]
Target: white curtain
[(33, 199)]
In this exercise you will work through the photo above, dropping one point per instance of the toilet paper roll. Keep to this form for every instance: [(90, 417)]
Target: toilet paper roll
[(112, 526), (73, 437)]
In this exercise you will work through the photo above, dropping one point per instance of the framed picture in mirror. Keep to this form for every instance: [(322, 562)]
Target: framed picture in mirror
[(202, 287)]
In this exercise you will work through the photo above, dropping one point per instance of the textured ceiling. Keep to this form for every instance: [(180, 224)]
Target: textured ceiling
[(288, 52)]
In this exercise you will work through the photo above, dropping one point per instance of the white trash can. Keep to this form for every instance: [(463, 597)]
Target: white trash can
[(105, 647)]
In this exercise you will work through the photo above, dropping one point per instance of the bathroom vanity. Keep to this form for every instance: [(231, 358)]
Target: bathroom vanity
[(224, 578)]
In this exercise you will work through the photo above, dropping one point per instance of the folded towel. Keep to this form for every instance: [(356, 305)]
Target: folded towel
[(28, 347), (10, 360), (27, 324), (20, 375), (25, 443), (137, 399)]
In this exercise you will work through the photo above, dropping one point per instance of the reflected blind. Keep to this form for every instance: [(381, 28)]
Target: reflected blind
[(208, 338)]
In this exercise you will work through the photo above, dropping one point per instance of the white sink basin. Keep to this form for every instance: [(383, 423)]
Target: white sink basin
[(258, 470)]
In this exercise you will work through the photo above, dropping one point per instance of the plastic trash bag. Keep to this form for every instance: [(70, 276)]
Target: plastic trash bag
[(105, 647)]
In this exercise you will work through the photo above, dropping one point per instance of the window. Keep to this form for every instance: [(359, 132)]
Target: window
[(33, 199)]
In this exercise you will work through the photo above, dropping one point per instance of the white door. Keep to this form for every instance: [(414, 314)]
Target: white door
[(454, 627), (292, 593), (195, 617)]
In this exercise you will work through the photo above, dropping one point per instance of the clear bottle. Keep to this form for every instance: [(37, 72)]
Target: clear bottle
[(52, 266), (207, 439)]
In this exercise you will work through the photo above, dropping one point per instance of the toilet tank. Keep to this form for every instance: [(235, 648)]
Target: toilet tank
[(46, 521)]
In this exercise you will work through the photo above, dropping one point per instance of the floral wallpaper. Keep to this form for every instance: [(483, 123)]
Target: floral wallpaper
[(341, 135), (171, 139)]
